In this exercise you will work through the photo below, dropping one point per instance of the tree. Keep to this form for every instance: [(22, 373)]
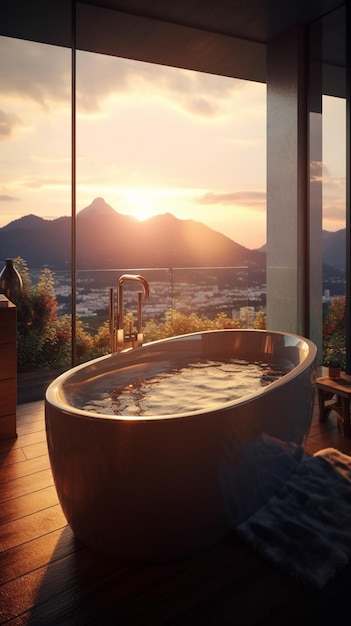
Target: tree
[(102, 340), (180, 324), (260, 320), (44, 338), (36, 317), (334, 325)]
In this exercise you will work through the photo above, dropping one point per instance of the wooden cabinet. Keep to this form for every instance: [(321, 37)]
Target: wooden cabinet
[(8, 369)]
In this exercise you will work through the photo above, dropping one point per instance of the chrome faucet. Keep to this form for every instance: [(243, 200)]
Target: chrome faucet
[(118, 338)]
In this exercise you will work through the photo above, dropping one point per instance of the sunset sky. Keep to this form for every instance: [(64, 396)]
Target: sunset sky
[(150, 140)]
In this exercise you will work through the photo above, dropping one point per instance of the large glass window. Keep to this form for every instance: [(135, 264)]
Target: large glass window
[(334, 230), (170, 177), (157, 147), (35, 190), (328, 182)]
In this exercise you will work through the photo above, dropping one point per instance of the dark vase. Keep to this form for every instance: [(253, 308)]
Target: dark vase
[(10, 282)]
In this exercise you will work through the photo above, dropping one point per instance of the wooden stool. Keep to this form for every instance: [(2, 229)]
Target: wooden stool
[(327, 388)]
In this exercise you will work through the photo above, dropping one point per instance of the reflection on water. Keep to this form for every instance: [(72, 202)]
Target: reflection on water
[(196, 386)]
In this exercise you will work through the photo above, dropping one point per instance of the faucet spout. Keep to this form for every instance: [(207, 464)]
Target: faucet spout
[(121, 280), (138, 339)]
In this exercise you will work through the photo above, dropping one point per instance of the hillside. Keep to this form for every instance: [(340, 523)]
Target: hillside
[(334, 249), (107, 239)]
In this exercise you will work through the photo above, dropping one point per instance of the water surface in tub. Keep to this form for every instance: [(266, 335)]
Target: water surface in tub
[(191, 386)]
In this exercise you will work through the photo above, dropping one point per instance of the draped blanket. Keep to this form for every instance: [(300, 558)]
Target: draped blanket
[(305, 528)]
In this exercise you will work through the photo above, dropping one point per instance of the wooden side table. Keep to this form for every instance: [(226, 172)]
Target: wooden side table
[(339, 391)]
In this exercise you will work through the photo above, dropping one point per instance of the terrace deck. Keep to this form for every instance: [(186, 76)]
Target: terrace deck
[(47, 577)]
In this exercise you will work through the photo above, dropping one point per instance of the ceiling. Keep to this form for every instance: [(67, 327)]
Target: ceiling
[(252, 20), (218, 36)]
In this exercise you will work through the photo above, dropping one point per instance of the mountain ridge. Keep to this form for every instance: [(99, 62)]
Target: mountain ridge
[(108, 239)]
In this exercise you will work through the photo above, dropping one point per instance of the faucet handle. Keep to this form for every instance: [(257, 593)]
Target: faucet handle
[(120, 338), (138, 340)]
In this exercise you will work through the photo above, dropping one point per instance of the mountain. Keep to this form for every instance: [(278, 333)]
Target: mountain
[(334, 249), (98, 208), (28, 222), (107, 239)]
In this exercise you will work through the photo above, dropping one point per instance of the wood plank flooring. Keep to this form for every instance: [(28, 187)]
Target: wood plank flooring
[(48, 578)]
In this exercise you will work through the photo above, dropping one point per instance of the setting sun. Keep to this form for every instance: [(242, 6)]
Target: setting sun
[(140, 203), (141, 214)]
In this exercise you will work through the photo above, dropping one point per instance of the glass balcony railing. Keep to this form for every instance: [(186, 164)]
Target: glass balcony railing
[(179, 299), (206, 291)]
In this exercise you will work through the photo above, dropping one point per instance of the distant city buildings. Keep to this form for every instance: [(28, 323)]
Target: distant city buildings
[(186, 296), (326, 296)]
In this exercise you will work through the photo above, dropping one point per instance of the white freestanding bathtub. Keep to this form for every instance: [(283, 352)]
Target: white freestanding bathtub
[(164, 486)]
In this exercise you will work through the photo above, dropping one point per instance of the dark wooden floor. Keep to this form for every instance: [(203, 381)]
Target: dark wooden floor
[(48, 578)]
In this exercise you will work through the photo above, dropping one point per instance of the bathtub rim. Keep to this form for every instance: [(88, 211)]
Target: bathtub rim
[(55, 400)]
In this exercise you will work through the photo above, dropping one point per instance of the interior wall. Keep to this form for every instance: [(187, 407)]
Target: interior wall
[(315, 321), (287, 191)]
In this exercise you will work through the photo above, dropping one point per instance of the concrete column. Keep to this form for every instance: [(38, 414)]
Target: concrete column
[(287, 182)]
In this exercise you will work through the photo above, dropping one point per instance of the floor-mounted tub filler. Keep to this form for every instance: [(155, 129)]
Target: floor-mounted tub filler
[(158, 452)]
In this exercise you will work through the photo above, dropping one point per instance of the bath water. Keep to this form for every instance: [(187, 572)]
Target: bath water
[(193, 387)]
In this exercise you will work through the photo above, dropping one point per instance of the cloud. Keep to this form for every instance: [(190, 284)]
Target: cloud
[(40, 183), (34, 71), (333, 190), (316, 171), (7, 198), (42, 73), (195, 93), (52, 159), (246, 142), (201, 106), (334, 214), (250, 199), (319, 172), (335, 182), (8, 123)]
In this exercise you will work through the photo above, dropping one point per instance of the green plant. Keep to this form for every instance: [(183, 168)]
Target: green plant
[(334, 353), (36, 318), (102, 340), (180, 324), (260, 320), (44, 338), (334, 323)]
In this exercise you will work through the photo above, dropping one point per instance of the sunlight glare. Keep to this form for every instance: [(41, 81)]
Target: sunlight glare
[(140, 203)]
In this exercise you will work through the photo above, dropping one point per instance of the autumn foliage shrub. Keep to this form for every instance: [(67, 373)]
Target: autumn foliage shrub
[(44, 337), (37, 320), (334, 325), (181, 324)]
